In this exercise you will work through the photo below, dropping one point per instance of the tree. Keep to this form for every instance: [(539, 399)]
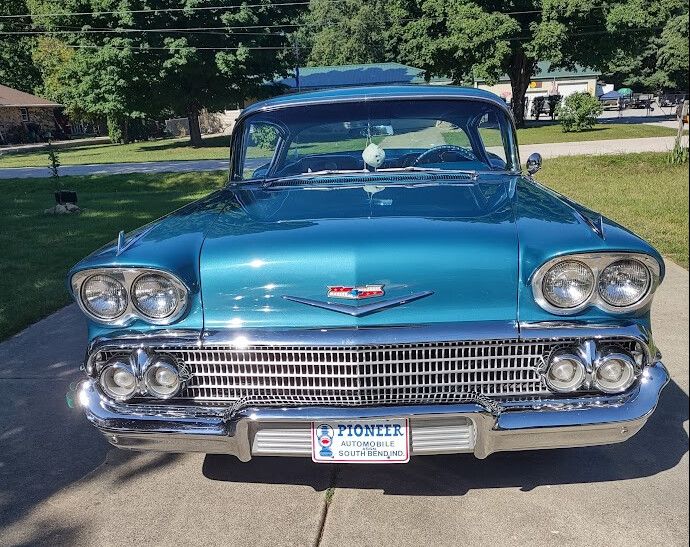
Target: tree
[(16, 66), (655, 56), (467, 38), (134, 59), (355, 32)]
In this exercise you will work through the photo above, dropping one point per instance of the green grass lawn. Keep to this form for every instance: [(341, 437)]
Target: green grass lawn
[(217, 147), (36, 250), (639, 190), (552, 132)]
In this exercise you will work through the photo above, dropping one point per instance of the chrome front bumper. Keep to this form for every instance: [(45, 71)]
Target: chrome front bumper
[(435, 429)]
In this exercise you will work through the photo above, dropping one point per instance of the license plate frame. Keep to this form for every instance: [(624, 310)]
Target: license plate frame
[(366, 440)]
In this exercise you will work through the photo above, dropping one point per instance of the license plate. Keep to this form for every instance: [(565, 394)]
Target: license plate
[(360, 441)]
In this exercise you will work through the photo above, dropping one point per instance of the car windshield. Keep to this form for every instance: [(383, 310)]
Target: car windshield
[(368, 136)]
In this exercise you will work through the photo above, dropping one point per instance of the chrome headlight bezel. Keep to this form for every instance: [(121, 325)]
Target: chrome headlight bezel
[(127, 277), (597, 262)]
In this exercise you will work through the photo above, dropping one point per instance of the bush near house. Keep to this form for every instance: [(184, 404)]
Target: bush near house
[(578, 112)]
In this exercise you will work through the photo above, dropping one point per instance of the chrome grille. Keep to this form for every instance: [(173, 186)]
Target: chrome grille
[(418, 373)]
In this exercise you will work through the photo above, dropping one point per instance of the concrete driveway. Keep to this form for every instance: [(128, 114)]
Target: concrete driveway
[(61, 483)]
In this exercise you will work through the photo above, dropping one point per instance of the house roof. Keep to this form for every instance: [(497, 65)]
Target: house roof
[(545, 72), (319, 77), (368, 93), (13, 97)]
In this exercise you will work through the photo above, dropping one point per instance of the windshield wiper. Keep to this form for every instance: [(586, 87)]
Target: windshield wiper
[(417, 169), (410, 169), (267, 182)]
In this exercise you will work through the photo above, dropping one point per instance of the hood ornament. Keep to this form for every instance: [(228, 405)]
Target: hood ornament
[(360, 311), (355, 293)]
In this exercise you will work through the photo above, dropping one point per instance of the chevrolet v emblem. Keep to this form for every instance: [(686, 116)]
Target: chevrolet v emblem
[(359, 311)]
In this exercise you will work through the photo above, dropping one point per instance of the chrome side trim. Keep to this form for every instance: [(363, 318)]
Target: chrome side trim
[(359, 311)]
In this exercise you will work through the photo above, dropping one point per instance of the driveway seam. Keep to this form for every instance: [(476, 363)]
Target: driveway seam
[(330, 494)]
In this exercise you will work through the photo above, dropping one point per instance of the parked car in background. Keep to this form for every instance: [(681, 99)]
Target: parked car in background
[(641, 100), (353, 297), (612, 100), (672, 99)]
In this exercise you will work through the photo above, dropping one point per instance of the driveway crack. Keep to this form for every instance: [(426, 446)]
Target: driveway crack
[(330, 493)]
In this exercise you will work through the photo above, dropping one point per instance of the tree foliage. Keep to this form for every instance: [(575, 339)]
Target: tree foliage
[(467, 39), (124, 74), (354, 32), (16, 67), (653, 55)]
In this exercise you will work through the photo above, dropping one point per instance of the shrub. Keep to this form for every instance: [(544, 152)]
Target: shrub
[(17, 134), (578, 112), (538, 106), (554, 101), (679, 155), (54, 165)]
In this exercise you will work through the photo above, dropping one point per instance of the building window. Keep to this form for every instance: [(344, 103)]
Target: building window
[(24, 112)]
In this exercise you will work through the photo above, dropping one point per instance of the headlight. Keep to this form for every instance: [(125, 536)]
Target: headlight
[(614, 372), (566, 372), (568, 284), (118, 296), (104, 296), (117, 379), (156, 296), (162, 378), (616, 282), (624, 283)]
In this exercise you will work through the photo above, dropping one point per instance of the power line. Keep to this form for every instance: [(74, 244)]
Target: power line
[(208, 30), (174, 48), (154, 10), (284, 48), (194, 30), (221, 8)]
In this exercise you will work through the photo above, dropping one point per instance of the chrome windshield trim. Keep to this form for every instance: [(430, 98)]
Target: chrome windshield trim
[(259, 108), (515, 167)]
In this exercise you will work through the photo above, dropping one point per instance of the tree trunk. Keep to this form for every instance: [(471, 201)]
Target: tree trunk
[(194, 128), (520, 73)]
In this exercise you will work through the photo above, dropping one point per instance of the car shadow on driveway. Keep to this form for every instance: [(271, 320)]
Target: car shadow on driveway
[(659, 446)]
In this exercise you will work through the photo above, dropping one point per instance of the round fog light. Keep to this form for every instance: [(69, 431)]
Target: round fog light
[(118, 381), (566, 372), (614, 372), (162, 378)]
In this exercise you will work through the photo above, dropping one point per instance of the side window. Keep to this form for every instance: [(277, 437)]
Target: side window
[(492, 138), (24, 113), (261, 143)]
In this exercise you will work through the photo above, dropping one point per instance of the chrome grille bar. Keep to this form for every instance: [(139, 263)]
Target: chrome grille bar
[(362, 375)]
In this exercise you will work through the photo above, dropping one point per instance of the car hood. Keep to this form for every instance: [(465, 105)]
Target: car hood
[(474, 245), (273, 252)]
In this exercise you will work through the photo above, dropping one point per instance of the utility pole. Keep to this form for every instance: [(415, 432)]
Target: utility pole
[(295, 48), (683, 112)]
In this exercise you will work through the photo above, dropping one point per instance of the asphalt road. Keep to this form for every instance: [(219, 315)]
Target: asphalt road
[(552, 150), (61, 483)]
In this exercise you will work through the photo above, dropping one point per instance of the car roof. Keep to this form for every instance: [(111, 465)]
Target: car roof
[(349, 94)]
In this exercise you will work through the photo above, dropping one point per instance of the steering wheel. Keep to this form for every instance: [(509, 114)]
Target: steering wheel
[(441, 150)]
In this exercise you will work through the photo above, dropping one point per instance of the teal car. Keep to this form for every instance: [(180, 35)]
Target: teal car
[(379, 279)]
